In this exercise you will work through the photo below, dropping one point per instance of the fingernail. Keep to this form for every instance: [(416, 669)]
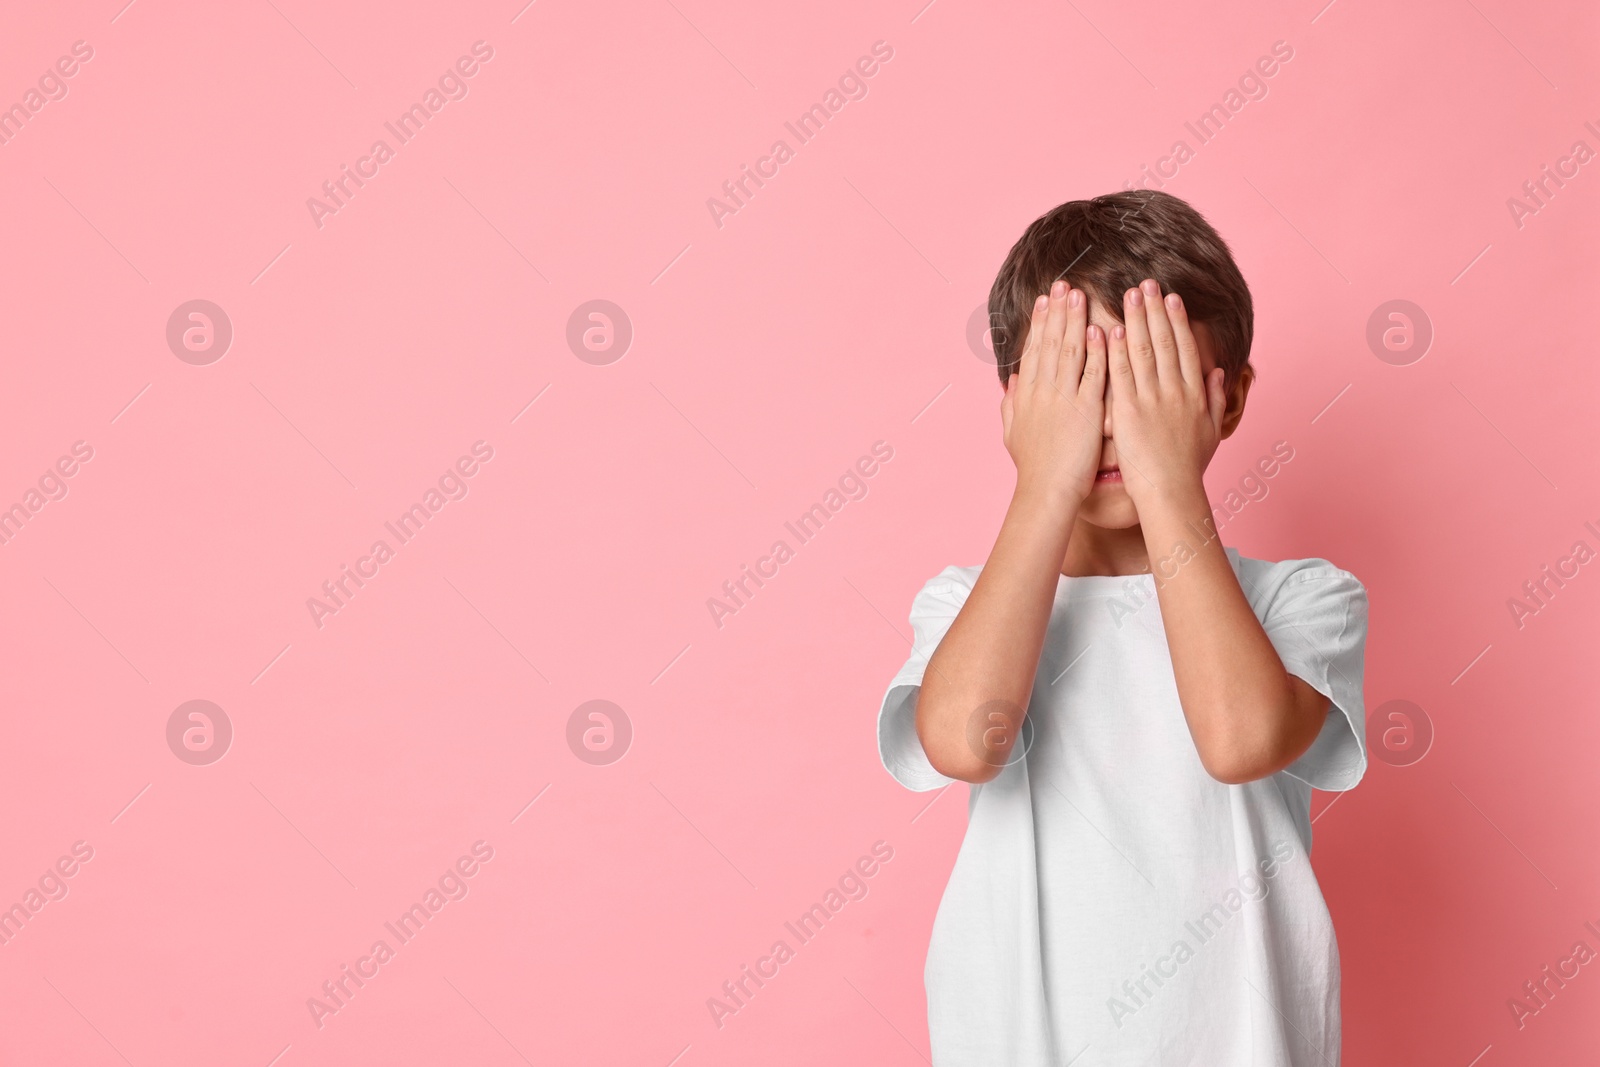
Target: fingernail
[(1038, 305), (1173, 302), (1135, 297), (1058, 290), (1074, 298), (1118, 332), (1093, 332), (1149, 285)]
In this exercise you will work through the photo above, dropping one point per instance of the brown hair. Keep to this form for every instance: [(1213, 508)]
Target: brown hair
[(1107, 246)]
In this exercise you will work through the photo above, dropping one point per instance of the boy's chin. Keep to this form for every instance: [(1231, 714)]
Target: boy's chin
[(1109, 509)]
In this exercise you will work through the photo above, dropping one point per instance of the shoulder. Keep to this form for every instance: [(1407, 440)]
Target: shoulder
[(965, 577), (1270, 584), (945, 592), (1279, 572)]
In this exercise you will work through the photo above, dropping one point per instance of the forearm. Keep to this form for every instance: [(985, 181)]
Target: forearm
[(976, 688), (1242, 707)]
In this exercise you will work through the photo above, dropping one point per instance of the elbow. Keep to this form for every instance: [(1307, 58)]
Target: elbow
[(1237, 770), (1238, 760), (973, 747), (1254, 739), (953, 759), (966, 768)]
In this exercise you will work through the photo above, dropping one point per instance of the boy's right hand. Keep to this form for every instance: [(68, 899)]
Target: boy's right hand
[(1054, 408)]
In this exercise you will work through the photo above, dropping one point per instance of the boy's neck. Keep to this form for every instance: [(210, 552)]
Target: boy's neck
[(1098, 551)]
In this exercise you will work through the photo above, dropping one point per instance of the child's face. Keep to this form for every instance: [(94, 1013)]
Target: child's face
[(1108, 505)]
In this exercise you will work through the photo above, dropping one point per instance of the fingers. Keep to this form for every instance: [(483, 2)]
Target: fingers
[(1188, 347), (1055, 323), (1028, 365), (1141, 352), (1072, 346), (1216, 398), (1092, 385), (1119, 369), (1162, 338)]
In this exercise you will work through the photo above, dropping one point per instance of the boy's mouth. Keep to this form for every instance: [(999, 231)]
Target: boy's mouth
[(1109, 475)]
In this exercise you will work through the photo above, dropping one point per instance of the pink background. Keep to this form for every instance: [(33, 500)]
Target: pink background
[(768, 354)]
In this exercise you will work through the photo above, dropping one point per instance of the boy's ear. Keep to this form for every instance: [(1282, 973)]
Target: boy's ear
[(1236, 396)]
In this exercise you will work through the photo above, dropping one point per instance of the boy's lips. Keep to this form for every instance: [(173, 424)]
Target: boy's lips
[(1109, 475)]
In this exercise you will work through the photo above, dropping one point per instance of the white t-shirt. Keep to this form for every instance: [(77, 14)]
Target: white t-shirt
[(1112, 903)]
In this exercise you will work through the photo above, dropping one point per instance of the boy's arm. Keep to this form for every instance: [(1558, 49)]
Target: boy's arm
[(976, 688), (1248, 716)]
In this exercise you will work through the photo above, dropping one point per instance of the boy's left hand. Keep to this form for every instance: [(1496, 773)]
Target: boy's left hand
[(1166, 412)]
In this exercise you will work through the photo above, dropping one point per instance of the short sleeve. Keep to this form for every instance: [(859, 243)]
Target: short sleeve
[(1316, 618), (932, 612)]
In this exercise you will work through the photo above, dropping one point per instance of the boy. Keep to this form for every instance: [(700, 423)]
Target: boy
[(1141, 712)]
